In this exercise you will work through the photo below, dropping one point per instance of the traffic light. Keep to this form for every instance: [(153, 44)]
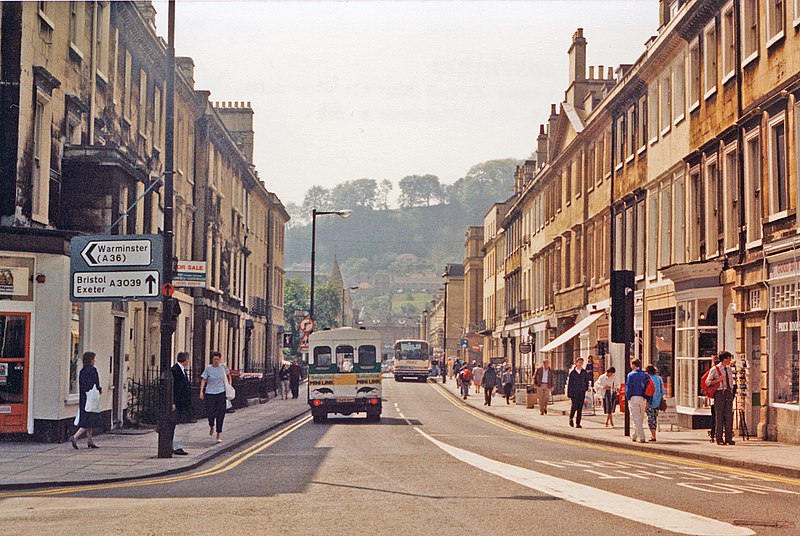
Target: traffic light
[(169, 317)]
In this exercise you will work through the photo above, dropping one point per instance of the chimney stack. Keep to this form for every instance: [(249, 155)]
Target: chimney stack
[(541, 147)]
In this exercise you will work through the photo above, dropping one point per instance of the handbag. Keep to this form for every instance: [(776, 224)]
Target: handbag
[(663, 405), (92, 400), (230, 392)]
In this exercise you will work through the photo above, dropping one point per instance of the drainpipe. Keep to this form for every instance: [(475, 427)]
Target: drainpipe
[(93, 68)]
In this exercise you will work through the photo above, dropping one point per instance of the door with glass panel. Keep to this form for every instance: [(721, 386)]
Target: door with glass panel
[(14, 365)]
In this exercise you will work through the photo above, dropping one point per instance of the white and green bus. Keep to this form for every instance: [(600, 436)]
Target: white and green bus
[(344, 373)]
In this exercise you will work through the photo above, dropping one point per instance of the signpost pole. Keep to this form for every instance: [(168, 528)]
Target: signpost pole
[(166, 428)]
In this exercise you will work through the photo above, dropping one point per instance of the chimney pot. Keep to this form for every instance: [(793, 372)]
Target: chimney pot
[(591, 72)]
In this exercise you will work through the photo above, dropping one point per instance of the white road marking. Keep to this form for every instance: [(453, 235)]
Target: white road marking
[(655, 515)]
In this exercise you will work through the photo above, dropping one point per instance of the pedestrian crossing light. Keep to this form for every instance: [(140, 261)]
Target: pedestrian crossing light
[(288, 340)]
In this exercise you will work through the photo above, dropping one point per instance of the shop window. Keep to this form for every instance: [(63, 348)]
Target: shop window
[(13, 337), (76, 346), (662, 346), (785, 365), (696, 343)]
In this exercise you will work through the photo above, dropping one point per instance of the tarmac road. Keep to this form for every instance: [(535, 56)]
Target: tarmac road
[(431, 466)]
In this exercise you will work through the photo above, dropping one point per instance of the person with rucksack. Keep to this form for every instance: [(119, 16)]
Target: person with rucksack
[(721, 379), (466, 380), (635, 389), (656, 402)]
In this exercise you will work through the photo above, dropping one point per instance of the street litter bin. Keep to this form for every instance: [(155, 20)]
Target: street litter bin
[(531, 397)]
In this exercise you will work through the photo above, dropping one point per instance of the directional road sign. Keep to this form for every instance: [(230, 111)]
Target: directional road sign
[(116, 267)]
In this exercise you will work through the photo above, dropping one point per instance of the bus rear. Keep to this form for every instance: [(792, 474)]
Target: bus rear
[(344, 373), (411, 359)]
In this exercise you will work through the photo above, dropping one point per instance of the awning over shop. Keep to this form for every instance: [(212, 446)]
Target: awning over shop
[(572, 332)]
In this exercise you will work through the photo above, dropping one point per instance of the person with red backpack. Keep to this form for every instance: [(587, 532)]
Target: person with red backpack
[(635, 393), (720, 377), (465, 375)]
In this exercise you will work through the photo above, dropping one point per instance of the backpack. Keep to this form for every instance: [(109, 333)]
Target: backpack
[(466, 374), (649, 388), (706, 389)]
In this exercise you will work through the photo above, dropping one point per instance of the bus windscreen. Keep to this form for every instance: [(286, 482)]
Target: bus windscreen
[(411, 350)]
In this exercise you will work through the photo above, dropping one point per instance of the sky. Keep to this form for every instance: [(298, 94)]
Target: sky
[(347, 90)]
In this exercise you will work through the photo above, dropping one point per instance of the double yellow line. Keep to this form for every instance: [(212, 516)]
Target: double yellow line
[(616, 450), (222, 467)]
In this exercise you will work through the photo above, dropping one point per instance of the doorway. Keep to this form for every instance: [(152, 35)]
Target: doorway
[(14, 365), (753, 398), (117, 365)]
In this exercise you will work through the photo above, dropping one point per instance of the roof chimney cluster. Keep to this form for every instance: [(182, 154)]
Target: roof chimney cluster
[(233, 105)]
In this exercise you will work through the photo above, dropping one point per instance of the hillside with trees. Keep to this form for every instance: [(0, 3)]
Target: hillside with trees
[(395, 253)]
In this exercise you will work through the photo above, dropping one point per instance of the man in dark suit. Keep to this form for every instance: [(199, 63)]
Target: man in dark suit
[(181, 396)]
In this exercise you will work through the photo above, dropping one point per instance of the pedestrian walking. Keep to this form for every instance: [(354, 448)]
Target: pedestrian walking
[(653, 407), (721, 376), (181, 398), (635, 385), (713, 430), (477, 377), (295, 372), (451, 367), (466, 380), (444, 371), (508, 384), (283, 376), (87, 421), (577, 385), (543, 381), (590, 369), (489, 382), (212, 390), (606, 387)]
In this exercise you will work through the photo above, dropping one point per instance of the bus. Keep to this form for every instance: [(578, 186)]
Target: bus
[(344, 373), (411, 359)]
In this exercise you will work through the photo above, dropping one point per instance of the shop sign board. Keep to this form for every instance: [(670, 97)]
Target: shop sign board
[(116, 268), (525, 348), (14, 281), (670, 415), (190, 274)]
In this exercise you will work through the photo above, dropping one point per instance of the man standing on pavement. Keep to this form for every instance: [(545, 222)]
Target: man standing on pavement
[(294, 378), (181, 397), (578, 384), (543, 381), (722, 376), (635, 385)]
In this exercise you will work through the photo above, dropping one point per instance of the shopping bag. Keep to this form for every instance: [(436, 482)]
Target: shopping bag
[(230, 392), (92, 400)]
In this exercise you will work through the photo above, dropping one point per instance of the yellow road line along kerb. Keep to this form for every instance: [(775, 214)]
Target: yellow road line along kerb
[(223, 466), (517, 429)]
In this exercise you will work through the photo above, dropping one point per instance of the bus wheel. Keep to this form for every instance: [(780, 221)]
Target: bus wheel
[(397, 378), (319, 419)]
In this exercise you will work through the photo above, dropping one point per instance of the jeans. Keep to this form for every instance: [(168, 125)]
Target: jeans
[(215, 410), (465, 388), (284, 389), (577, 408), (723, 407), (637, 406)]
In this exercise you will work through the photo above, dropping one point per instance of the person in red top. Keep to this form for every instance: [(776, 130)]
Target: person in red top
[(465, 375), (722, 376)]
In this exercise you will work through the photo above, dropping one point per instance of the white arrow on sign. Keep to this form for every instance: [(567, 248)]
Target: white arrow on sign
[(118, 253), (142, 284)]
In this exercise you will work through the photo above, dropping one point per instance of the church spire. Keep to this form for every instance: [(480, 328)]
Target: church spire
[(336, 279)]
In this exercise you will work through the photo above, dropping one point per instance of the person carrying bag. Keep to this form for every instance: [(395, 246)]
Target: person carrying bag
[(88, 417)]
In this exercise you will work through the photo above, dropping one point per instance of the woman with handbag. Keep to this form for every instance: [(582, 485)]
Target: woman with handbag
[(606, 388), (88, 413), (657, 402), (216, 380)]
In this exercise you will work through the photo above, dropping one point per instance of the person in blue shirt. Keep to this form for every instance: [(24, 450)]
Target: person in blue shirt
[(635, 385), (655, 401)]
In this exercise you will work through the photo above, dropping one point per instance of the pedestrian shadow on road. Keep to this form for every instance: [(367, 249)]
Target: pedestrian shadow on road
[(446, 497)]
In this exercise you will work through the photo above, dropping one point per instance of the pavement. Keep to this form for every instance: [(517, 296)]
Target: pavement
[(132, 454), (753, 454)]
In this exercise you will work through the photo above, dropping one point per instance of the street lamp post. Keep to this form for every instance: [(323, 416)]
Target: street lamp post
[(314, 214)]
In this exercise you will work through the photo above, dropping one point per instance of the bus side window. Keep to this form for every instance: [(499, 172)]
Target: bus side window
[(322, 357), (366, 356)]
